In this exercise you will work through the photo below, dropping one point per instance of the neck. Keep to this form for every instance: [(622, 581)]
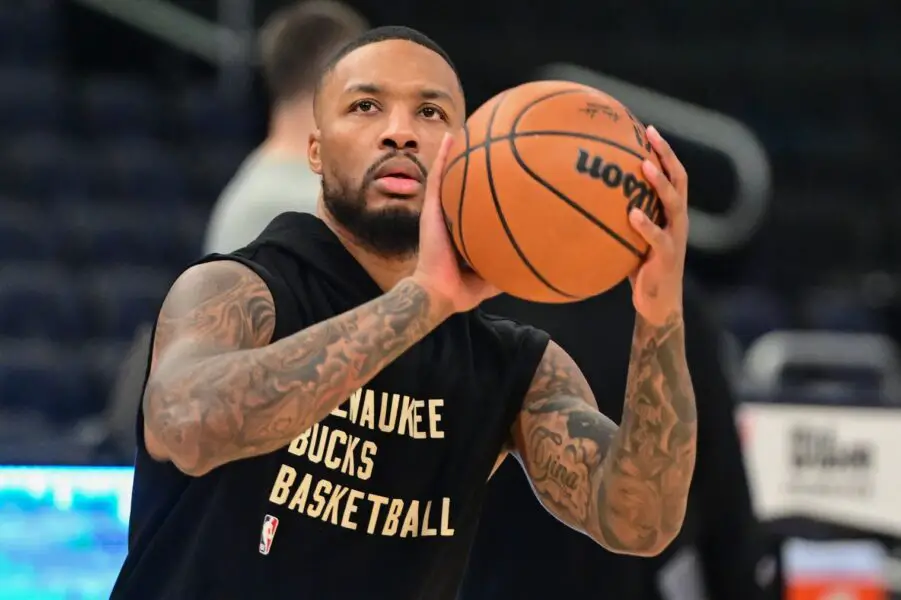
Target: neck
[(289, 128), (385, 272)]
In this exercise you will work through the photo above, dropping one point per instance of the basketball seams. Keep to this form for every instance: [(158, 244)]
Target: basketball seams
[(538, 179), (593, 219), (550, 133), (500, 213)]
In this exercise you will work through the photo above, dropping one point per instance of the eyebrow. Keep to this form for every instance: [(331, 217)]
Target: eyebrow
[(424, 94)]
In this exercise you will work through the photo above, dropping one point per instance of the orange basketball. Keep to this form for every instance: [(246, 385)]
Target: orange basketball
[(538, 187)]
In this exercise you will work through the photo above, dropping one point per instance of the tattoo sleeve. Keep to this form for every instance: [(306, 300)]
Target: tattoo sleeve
[(219, 392), (626, 487)]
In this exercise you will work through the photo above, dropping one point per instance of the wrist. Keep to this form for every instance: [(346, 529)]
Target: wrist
[(441, 306), (667, 321)]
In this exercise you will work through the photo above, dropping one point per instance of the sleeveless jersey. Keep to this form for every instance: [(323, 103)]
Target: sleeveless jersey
[(380, 499)]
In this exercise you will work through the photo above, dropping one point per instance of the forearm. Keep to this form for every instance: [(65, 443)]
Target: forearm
[(644, 480), (250, 402)]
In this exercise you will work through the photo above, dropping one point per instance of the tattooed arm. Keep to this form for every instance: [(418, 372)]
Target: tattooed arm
[(625, 487), (219, 391)]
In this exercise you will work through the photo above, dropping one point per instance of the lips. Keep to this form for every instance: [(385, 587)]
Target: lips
[(399, 177), (400, 168)]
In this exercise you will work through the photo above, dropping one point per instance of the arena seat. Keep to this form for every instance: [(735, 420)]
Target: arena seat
[(29, 99), (786, 362), (144, 171), (39, 376), (113, 106), (40, 301), (839, 310), (123, 298), (205, 116), (34, 165), (26, 234), (750, 312)]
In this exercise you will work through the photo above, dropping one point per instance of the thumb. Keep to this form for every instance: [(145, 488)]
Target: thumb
[(436, 173)]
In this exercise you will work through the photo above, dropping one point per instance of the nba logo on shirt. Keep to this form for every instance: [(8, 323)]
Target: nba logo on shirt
[(270, 524)]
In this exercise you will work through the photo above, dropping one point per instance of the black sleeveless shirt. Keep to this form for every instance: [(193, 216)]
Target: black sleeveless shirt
[(381, 499)]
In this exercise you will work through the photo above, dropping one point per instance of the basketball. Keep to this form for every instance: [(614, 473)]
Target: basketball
[(538, 186)]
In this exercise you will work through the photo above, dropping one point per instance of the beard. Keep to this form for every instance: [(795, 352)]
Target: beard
[(391, 233)]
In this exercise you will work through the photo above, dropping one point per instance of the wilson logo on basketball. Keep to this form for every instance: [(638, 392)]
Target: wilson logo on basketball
[(639, 193)]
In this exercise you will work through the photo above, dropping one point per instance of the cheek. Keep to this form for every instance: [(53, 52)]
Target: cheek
[(342, 158)]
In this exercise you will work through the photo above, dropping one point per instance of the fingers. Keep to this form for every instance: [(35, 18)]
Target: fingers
[(672, 189), (671, 163), (656, 237)]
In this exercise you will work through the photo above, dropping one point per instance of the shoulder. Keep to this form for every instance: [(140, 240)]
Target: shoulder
[(510, 333), (516, 348), (217, 287)]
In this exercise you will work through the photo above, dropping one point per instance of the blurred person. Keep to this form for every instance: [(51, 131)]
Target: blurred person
[(295, 42), (282, 450), (716, 555)]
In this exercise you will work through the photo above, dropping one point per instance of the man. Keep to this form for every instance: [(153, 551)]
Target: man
[(721, 543), (295, 43), (324, 407)]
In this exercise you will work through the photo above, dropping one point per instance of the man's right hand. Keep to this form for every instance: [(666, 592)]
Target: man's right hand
[(438, 270)]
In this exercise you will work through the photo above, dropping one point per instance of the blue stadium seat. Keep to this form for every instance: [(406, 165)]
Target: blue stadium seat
[(28, 438), (39, 301), (206, 115), (32, 166), (209, 167), (189, 229), (140, 235), (102, 361), (751, 312), (113, 106), (839, 310), (834, 367), (85, 171), (29, 31), (124, 298), (29, 99), (25, 234), (145, 171), (836, 395), (38, 376)]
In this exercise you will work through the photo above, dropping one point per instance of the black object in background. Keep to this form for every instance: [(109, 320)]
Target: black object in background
[(522, 552)]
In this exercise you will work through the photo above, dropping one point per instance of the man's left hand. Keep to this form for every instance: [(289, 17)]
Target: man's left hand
[(657, 284)]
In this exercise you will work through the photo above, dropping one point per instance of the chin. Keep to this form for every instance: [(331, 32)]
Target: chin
[(380, 201)]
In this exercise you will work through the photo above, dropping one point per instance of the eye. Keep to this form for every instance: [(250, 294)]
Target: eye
[(363, 106), (432, 112)]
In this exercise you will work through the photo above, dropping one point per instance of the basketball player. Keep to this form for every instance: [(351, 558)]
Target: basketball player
[(295, 43), (324, 408)]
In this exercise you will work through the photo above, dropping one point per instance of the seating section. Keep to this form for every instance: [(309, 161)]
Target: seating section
[(106, 181), (106, 178)]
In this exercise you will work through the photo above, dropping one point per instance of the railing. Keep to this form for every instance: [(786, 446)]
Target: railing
[(716, 131), (227, 44)]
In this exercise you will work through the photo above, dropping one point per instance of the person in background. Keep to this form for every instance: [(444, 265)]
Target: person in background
[(717, 554), (295, 43)]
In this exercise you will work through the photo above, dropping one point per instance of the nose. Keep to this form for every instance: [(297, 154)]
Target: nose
[(399, 134)]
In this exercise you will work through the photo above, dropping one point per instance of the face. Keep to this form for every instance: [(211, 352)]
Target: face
[(382, 113)]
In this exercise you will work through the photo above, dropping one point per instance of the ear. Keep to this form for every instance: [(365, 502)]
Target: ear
[(313, 152)]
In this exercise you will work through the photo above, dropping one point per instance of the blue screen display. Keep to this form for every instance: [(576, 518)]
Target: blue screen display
[(63, 531)]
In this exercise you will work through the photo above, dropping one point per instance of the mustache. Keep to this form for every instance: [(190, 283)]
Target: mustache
[(369, 177)]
